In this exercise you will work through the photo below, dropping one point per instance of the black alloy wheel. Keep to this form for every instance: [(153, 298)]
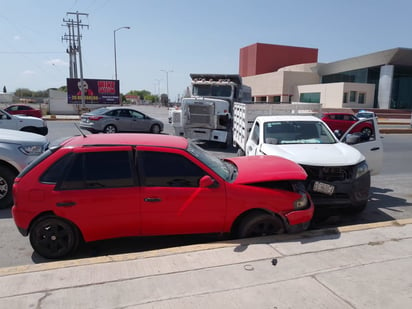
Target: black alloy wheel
[(53, 237)]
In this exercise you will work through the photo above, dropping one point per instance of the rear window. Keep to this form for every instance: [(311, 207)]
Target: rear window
[(36, 161)]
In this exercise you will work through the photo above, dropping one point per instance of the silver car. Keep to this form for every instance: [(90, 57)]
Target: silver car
[(119, 119), (17, 150)]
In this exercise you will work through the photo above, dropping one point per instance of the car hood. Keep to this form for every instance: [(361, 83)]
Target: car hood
[(338, 154), (20, 137), (255, 169)]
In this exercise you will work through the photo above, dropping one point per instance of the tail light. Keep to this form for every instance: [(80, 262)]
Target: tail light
[(95, 118)]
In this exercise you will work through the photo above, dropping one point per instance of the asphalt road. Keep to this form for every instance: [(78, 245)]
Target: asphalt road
[(390, 199)]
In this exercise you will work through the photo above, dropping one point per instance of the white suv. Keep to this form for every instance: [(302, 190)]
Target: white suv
[(17, 150)]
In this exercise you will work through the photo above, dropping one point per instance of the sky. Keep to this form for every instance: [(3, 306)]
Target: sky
[(169, 39)]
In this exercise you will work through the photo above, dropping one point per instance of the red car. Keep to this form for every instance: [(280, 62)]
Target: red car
[(20, 109), (105, 186), (343, 121)]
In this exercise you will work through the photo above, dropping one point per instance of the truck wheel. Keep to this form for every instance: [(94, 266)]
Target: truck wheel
[(7, 176), (53, 238), (260, 224)]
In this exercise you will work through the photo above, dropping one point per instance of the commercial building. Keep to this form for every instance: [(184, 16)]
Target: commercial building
[(284, 74)]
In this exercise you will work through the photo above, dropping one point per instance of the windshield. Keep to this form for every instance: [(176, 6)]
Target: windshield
[(99, 111), (297, 132), (220, 167), (212, 91), (364, 115)]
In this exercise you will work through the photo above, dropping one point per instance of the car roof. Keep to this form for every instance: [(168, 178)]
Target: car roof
[(117, 107), (123, 139), (288, 118), (339, 113)]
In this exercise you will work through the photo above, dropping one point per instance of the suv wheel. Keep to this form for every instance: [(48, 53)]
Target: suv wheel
[(6, 183)]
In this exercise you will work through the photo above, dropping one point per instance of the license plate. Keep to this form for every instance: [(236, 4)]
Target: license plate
[(322, 187)]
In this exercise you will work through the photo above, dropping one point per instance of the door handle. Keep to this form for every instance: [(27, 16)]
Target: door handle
[(65, 204), (375, 148), (152, 199)]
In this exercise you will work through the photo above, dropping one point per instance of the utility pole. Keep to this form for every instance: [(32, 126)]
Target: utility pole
[(74, 49), (167, 83)]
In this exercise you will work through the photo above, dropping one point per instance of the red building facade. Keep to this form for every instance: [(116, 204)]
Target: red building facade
[(261, 58)]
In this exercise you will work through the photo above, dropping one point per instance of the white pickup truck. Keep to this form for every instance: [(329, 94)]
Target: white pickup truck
[(23, 123), (339, 170)]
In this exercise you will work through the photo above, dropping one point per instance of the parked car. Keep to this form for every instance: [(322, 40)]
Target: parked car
[(343, 121), (21, 109), (362, 114), (23, 123), (17, 150), (100, 186), (119, 119)]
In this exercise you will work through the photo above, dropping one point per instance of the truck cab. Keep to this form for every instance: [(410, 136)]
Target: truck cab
[(208, 114)]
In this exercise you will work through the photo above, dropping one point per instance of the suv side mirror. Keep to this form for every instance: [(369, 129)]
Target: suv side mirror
[(352, 139)]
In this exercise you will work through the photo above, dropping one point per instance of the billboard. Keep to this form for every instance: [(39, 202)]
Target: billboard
[(96, 91)]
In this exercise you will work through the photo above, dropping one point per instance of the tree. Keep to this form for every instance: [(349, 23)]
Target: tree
[(4, 89)]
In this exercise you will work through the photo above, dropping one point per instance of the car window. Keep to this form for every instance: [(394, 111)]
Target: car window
[(364, 130), (54, 172), (94, 170), (112, 113), (124, 113), (136, 114), (162, 169)]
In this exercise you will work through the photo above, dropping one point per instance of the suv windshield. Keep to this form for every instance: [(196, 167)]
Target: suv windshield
[(297, 132)]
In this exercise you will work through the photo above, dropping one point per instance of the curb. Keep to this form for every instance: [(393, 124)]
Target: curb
[(199, 247)]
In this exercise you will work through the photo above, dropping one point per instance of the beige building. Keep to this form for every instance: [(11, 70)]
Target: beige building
[(302, 83)]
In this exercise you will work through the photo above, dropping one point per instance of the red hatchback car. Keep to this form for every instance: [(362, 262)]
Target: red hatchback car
[(20, 109), (105, 186), (343, 121)]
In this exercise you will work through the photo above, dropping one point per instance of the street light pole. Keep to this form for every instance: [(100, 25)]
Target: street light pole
[(114, 44), (167, 83)]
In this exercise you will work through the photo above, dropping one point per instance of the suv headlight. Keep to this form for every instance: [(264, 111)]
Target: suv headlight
[(361, 169), (32, 150)]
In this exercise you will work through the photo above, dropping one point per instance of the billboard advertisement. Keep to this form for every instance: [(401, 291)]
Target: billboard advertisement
[(96, 91)]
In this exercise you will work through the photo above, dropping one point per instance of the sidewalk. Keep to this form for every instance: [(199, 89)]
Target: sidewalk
[(365, 266)]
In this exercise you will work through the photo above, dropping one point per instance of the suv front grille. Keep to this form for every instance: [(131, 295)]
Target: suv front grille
[(333, 173)]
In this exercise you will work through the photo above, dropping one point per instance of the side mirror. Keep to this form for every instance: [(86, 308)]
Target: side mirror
[(352, 139), (207, 182)]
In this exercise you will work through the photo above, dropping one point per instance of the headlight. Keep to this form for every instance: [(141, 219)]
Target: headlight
[(31, 150), (361, 169), (302, 202)]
